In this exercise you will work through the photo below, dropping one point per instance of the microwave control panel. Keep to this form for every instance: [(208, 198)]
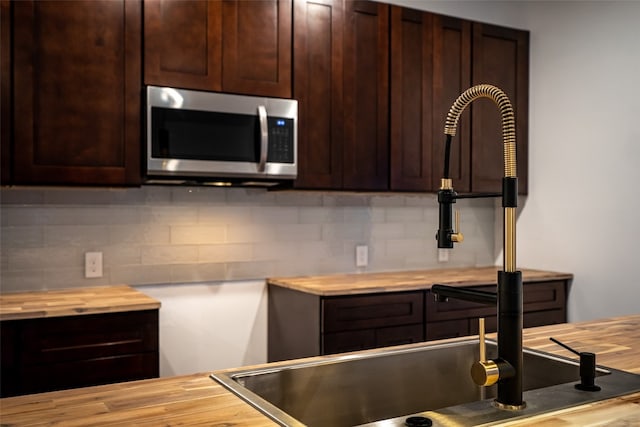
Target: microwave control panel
[(281, 140)]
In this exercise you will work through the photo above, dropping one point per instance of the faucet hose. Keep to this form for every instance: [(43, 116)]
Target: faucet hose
[(506, 112)]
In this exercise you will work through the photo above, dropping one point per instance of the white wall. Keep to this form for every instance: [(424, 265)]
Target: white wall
[(205, 327), (581, 215)]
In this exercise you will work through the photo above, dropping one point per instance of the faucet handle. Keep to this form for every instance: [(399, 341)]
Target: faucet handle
[(484, 372), (457, 236)]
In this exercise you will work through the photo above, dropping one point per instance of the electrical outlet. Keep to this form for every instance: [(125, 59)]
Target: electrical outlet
[(92, 264), (443, 255), (362, 256)]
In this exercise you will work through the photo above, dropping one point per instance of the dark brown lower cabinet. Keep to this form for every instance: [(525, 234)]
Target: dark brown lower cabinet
[(303, 324), (543, 303), (56, 353)]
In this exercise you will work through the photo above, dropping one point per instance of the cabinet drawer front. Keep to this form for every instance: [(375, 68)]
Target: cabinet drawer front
[(447, 329), (62, 339), (340, 342), (458, 309), (540, 318), (544, 296), (536, 296), (398, 335), (84, 373), (372, 311)]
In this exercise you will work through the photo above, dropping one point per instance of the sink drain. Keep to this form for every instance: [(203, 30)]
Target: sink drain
[(418, 422)]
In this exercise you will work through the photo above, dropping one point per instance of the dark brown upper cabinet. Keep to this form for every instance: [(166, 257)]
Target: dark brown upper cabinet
[(500, 58), (363, 128), (318, 68), (366, 96), (451, 77), (231, 46), (341, 51), (467, 54), (411, 100), (75, 97)]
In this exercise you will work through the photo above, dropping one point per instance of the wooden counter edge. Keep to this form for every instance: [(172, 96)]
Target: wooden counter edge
[(74, 302), (400, 281)]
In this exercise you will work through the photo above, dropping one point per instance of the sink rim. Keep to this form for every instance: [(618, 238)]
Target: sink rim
[(231, 379)]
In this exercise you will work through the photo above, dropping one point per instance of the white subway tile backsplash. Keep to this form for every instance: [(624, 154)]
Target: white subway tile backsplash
[(225, 252), (298, 232), (274, 215), (171, 214), (22, 236), (80, 236), (186, 273), (224, 215), (165, 234), (143, 234), (198, 234), (168, 254), (251, 232)]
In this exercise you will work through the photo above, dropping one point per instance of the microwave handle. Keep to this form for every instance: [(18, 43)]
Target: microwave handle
[(264, 137)]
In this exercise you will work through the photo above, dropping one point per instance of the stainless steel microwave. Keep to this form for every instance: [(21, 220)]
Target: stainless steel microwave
[(219, 138)]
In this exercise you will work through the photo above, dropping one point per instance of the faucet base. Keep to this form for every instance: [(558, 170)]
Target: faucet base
[(506, 407)]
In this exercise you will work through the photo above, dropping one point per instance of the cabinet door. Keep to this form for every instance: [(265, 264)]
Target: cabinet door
[(256, 50), (501, 58), (77, 92), (183, 44), (411, 94), (366, 92), (318, 88), (5, 90), (451, 77)]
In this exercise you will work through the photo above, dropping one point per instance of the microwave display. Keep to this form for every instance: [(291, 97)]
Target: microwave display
[(206, 135)]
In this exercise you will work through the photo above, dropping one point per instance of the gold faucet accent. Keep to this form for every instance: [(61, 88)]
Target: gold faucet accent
[(484, 372)]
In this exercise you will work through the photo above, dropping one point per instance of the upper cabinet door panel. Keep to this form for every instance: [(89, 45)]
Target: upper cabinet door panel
[(318, 88), (411, 94), (77, 92), (257, 47), (500, 58), (183, 44), (451, 77), (366, 96)]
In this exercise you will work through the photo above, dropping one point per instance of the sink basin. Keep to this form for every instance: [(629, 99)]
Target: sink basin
[(385, 386)]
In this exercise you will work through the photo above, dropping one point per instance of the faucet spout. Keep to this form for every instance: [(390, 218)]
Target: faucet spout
[(509, 295)]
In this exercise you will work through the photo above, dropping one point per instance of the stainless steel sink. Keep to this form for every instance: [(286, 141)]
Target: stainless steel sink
[(385, 386)]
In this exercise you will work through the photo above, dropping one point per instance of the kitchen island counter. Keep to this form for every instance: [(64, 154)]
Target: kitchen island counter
[(197, 400)]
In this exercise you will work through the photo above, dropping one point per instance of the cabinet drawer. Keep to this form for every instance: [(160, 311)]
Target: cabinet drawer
[(540, 318), (65, 339), (84, 373), (544, 296), (399, 335), (339, 342), (536, 296), (458, 309), (447, 329), (372, 311)]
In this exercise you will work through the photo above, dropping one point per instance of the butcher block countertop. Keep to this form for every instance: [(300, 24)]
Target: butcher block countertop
[(366, 283), (197, 400), (73, 302)]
